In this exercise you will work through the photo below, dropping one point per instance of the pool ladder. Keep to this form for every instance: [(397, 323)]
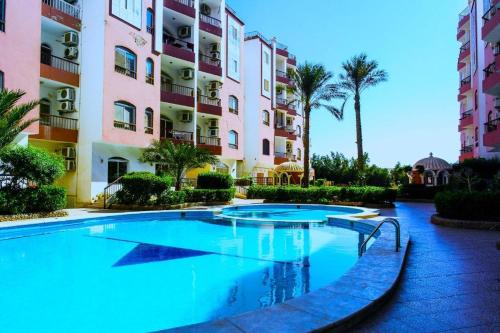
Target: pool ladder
[(390, 220)]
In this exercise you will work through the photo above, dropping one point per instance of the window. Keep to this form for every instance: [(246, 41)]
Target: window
[(265, 117), (233, 139), (150, 20), (117, 167), (476, 104), (150, 71), (476, 136), (125, 116), (299, 154), (299, 131), (233, 104), (233, 49), (265, 147), (2, 83), (148, 121), (266, 85), (129, 11), (2, 15), (125, 62), (266, 58)]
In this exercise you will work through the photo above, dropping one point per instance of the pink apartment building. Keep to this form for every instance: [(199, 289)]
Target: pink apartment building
[(479, 91), (114, 75)]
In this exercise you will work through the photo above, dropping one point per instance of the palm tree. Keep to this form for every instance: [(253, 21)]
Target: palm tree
[(178, 158), (360, 74), (311, 83), (12, 116)]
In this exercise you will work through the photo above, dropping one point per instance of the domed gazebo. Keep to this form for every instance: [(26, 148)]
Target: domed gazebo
[(290, 173), (431, 171)]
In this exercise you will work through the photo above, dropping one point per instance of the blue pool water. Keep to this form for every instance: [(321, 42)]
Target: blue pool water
[(287, 212), (139, 274)]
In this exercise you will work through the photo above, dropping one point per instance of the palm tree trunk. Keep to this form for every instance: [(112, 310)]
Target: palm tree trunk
[(359, 134), (307, 114), (178, 180)]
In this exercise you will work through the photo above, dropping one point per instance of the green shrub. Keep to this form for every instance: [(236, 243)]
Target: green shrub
[(171, 198), (418, 191), (214, 180), (365, 194), (243, 182), (203, 195), (139, 187), (46, 198), (33, 164), (468, 205), (320, 182)]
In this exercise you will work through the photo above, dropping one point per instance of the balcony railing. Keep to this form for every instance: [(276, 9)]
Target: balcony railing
[(465, 47), (466, 114), (210, 20), (491, 12), (490, 69), (491, 125), (281, 74), (124, 125), (59, 63), (59, 122), (64, 7), (290, 129), (208, 101), (467, 149), (188, 3), (281, 101), (280, 154), (182, 135), (209, 141), (177, 89), (463, 13), (150, 79), (179, 43), (465, 81), (210, 61), (125, 71), (233, 145)]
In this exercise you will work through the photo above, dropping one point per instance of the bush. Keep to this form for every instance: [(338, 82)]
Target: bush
[(171, 198), (43, 199), (243, 182), (139, 187), (418, 191), (365, 194), (32, 164), (468, 205), (203, 195), (214, 180), (320, 182)]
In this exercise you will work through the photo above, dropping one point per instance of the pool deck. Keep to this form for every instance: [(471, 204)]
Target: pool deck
[(451, 281)]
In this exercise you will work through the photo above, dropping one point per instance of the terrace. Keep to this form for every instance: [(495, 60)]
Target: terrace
[(62, 12)]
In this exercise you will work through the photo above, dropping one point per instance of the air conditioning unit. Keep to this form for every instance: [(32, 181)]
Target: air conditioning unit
[(213, 123), (215, 55), (215, 47), (214, 85), (205, 9), (65, 94), (214, 94), (71, 53), (66, 106), (68, 152), (186, 117), (187, 74), (213, 132), (70, 165), (184, 32), (70, 38)]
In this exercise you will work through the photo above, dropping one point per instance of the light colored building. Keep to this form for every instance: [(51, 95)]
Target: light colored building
[(479, 91), (114, 75)]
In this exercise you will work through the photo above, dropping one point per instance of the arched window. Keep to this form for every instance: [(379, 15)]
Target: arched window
[(124, 116), (150, 20), (2, 84), (150, 71), (299, 154), (233, 104), (476, 135), (266, 117), (125, 62), (265, 147), (46, 54), (476, 104), (148, 121), (117, 167), (299, 131), (233, 139)]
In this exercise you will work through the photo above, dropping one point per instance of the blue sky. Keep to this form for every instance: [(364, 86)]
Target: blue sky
[(416, 111)]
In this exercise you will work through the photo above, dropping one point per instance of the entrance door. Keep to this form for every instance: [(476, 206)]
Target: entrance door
[(117, 167), (166, 128)]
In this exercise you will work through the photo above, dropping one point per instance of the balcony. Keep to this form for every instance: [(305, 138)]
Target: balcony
[(55, 128), (465, 86), (491, 27), (280, 158), (463, 17), (282, 77), (177, 137), (210, 65), (466, 120), (185, 7), (59, 69), (209, 105), (464, 52), (491, 137), (491, 82), (283, 131), (179, 49), (211, 25), (176, 94), (282, 50), (292, 60), (467, 152), (62, 12), (288, 106), (212, 144)]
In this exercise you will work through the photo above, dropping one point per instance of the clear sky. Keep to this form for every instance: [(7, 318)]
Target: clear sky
[(416, 112)]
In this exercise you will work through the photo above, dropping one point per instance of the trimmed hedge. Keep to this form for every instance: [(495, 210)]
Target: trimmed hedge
[(418, 191), (203, 195), (43, 199), (365, 194), (214, 180), (171, 198), (139, 187), (468, 205)]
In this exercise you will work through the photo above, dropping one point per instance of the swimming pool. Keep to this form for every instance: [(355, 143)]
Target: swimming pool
[(146, 272)]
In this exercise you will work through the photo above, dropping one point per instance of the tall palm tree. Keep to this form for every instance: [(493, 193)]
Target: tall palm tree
[(178, 158), (311, 83), (12, 115), (360, 74)]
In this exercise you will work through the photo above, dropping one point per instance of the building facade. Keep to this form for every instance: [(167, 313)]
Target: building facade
[(479, 90), (114, 75)]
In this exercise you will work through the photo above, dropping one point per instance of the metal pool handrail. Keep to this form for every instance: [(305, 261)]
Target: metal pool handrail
[(390, 220)]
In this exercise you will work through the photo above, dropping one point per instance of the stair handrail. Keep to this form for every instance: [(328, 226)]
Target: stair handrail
[(110, 190), (390, 220)]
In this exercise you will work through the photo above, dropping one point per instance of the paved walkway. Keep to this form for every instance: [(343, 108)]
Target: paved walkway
[(451, 281)]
